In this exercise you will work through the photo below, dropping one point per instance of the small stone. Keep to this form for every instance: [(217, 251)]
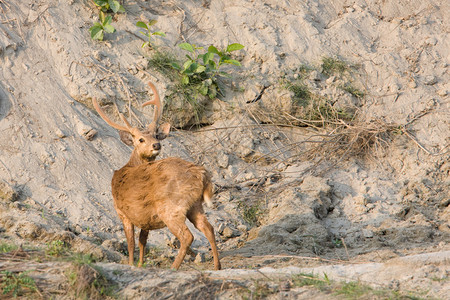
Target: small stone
[(221, 228), (315, 75), (412, 84), (431, 41), (90, 134), (242, 228), (443, 92), (200, 258), (285, 286), (430, 80), (330, 80), (367, 233), (223, 160), (59, 133), (227, 232)]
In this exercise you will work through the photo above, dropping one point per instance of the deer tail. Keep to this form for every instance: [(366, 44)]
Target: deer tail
[(208, 193)]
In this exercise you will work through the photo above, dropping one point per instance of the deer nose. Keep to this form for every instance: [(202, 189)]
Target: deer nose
[(156, 146)]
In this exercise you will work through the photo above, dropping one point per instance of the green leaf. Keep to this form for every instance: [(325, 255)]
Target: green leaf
[(225, 74), (96, 24), (185, 79), (101, 2), (232, 62), (109, 28), (212, 92), (107, 20), (160, 33), (96, 33), (207, 57), (121, 9), (212, 64), (187, 47), (145, 44), (101, 16), (187, 64), (213, 49), (200, 69), (203, 90), (234, 47), (176, 66), (143, 33), (152, 22), (142, 25), (114, 5)]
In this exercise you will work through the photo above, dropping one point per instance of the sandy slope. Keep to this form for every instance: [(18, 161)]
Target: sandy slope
[(57, 155)]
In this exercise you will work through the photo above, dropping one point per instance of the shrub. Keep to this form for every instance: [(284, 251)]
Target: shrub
[(148, 32), (202, 69), (99, 28)]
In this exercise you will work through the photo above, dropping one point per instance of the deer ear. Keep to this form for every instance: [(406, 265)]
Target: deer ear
[(163, 131), (126, 137)]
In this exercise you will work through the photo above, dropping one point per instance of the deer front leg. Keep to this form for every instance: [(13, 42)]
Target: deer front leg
[(128, 227), (142, 242)]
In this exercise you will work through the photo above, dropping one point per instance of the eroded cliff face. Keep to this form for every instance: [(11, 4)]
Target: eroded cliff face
[(278, 195)]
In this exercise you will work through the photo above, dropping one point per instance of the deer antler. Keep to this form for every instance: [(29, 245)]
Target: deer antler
[(158, 111), (107, 120)]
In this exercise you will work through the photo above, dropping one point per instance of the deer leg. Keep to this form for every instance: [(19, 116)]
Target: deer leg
[(142, 242), (177, 225), (197, 216), (128, 227)]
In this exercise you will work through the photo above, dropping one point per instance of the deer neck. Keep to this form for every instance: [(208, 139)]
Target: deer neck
[(136, 160)]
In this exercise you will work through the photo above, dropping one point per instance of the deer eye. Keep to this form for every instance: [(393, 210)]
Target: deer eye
[(141, 140)]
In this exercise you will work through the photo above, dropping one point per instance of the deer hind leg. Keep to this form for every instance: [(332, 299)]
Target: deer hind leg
[(197, 216), (177, 225), (142, 242)]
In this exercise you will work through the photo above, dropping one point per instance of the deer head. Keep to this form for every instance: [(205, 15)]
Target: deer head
[(145, 143)]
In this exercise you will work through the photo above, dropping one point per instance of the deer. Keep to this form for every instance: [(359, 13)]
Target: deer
[(153, 194)]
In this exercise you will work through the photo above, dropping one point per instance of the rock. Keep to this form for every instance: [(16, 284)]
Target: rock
[(200, 258), (229, 232), (7, 192), (367, 233), (59, 133), (430, 80), (222, 160), (29, 230), (86, 131)]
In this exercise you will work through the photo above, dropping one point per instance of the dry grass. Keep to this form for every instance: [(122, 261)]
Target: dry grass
[(355, 139)]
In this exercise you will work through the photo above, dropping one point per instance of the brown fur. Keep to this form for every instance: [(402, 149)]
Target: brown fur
[(153, 194), (163, 193)]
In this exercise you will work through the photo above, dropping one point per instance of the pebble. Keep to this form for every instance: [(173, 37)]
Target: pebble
[(430, 80)]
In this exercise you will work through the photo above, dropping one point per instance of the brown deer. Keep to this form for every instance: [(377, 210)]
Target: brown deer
[(153, 194)]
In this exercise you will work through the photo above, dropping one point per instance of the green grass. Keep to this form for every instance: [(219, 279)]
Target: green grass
[(6, 247), (162, 62), (56, 248), (251, 212), (302, 280), (334, 66), (349, 88), (17, 284), (302, 94)]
